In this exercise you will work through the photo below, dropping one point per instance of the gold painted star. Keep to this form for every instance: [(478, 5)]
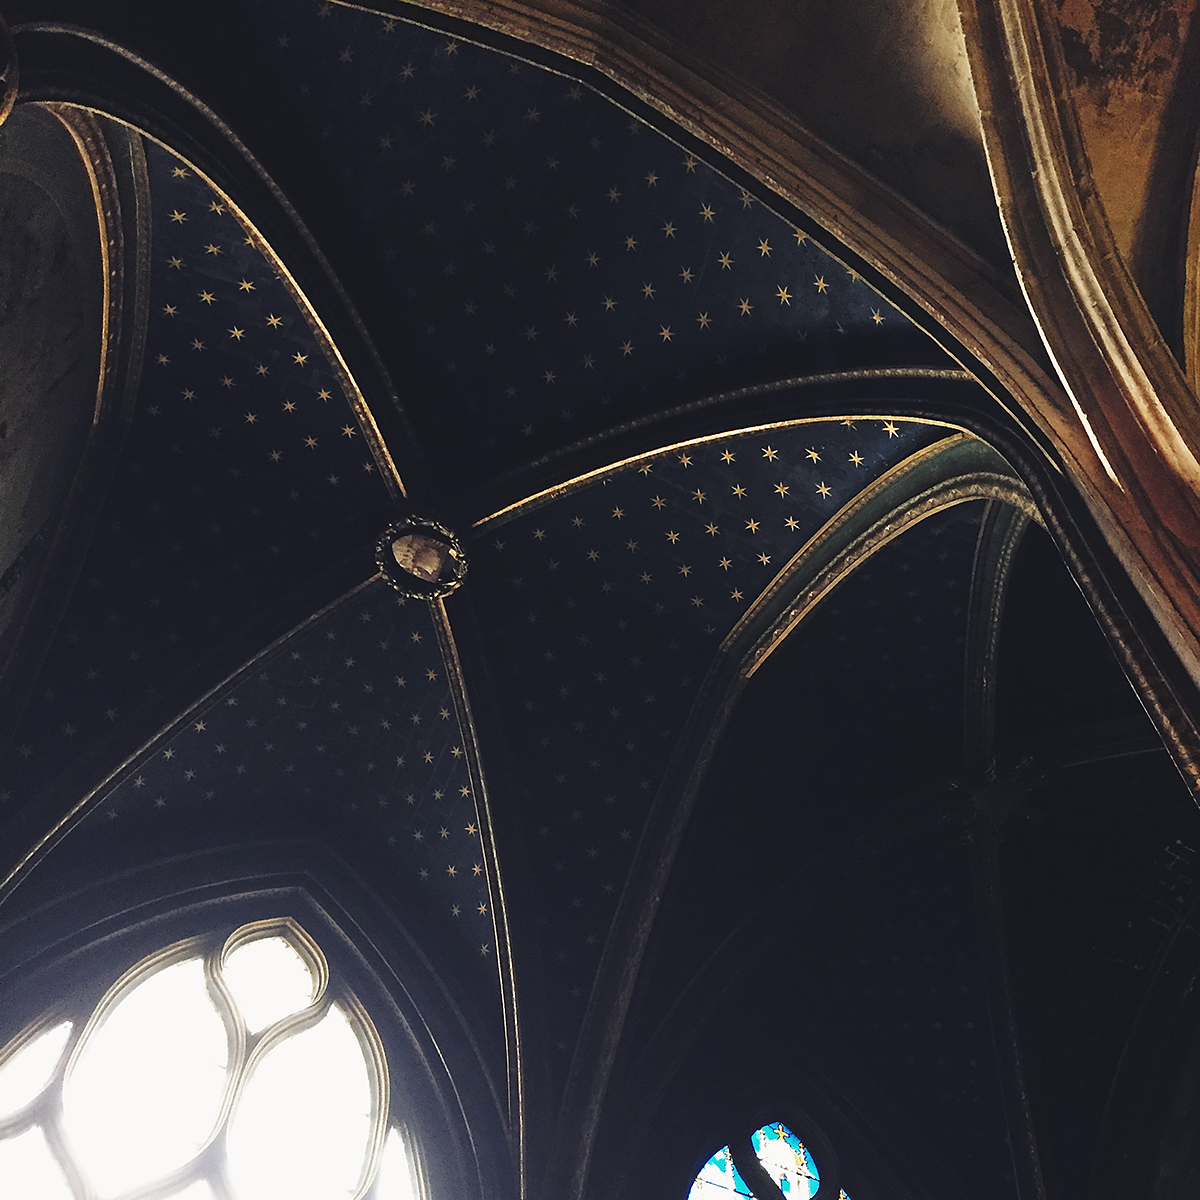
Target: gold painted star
[(738, 491), (820, 284), (785, 297), (179, 173), (685, 570), (226, 381), (299, 359), (289, 406), (593, 259), (707, 213), (324, 394), (752, 525), (877, 316), (824, 490), (237, 334), (764, 248), (800, 236), (648, 291), (770, 453), (812, 455), (252, 418), (169, 310), (274, 322), (212, 248), (262, 369), (703, 320), (626, 349), (745, 307), (631, 243), (571, 319), (163, 360), (782, 489), (176, 264), (764, 559), (428, 117), (686, 275), (197, 344), (618, 512), (609, 304), (792, 523), (207, 298), (652, 179), (857, 459), (311, 442), (890, 428), (658, 502), (613, 195), (735, 594), (349, 431), (672, 536), (711, 530), (178, 217), (726, 261), (727, 456), (698, 496), (724, 564), (669, 230), (665, 333), (245, 286), (216, 207), (685, 460), (689, 164)]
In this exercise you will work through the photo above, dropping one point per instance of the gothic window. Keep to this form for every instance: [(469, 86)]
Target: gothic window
[(234, 1069), (787, 1161)]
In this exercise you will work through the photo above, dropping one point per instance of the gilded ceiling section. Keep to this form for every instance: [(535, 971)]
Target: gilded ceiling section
[(605, 610), (243, 475), (535, 262)]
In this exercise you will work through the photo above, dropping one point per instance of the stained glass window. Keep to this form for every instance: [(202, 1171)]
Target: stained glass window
[(785, 1158), (228, 1071)]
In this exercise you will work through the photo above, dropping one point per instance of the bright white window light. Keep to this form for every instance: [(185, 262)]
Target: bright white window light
[(28, 1169), (201, 1190), (145, 1093), (269, 980), (302, 1128), (187, 1082), (398, 1178), (26, 1073)]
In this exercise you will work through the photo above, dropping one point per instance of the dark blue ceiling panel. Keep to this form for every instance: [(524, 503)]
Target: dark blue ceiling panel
[(244, 474), (349, 733), (604, 611), (534, 261)]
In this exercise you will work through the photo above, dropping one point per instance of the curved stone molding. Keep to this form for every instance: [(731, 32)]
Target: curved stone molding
[(1132, 419)]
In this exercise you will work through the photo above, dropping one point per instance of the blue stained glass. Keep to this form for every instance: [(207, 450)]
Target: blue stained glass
[(786, 1159), (719, 1180)]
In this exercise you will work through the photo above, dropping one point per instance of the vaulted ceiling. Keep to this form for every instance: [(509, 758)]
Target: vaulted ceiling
[(701, 791)]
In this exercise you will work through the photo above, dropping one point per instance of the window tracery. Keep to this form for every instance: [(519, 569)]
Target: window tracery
[(785, 1158), (232, 1069)]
